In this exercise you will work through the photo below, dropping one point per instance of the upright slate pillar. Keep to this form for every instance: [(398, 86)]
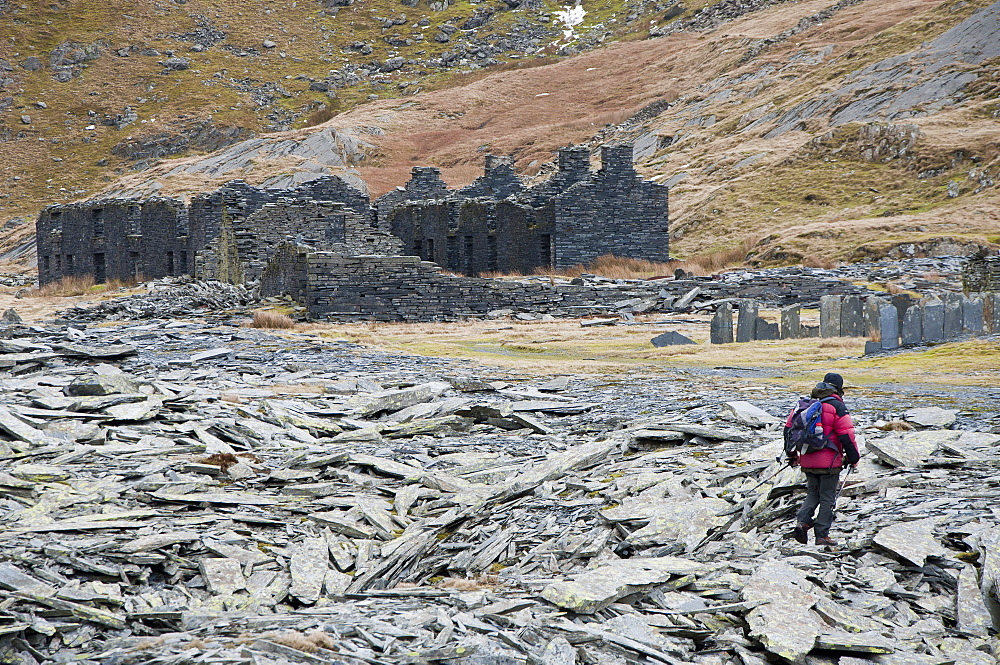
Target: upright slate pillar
[(889, 324), (746, 321), (972, 315), (852, 317), (873, 320), (721, 331), (829, 316), (910, 333), (991, 312), (933, 321), (766, 330), (952, 316), (791, 324)]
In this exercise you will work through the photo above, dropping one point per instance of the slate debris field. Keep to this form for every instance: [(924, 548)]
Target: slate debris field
[(193, 492)]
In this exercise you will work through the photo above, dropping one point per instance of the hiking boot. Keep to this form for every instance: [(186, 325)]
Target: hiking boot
[(827, 542), (801, 532)]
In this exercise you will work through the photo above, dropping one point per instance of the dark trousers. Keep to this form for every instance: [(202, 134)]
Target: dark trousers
[(821, 490)]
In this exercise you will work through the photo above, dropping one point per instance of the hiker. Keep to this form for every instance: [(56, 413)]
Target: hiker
[(822, 467)]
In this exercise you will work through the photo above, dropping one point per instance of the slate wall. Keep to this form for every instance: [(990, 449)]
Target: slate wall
[(613, 212), (981, 274)]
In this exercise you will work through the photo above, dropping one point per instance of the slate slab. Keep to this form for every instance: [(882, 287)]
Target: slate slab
[(910, 449), (721, 327), (671, 338), (746, 321), (593, 590), (931, 416), (746, 413), (911, 541)]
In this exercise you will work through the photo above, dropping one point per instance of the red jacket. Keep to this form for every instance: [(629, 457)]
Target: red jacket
[(839, 429)]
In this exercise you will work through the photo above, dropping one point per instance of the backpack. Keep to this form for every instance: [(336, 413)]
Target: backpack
[(806, 433)]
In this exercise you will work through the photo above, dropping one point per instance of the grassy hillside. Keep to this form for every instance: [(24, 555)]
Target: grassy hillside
[(441, 84)]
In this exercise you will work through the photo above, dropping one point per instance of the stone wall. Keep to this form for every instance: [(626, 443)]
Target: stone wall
[(113, 239), (981, 273), (124, 238), (613, 212)]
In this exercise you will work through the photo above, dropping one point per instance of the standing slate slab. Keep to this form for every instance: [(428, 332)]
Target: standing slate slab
[(972, 315), (746, 321), (791, 324), (889, 326), (990, 313), (872, 327), (721, 331), (829, 316), (933, 320), (852, 317), (911, 332), (952, 317), (901, 302), (766, 330)]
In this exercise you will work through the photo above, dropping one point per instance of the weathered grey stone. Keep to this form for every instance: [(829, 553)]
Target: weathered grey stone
[(222, 576), (558, 652), (952, 316), (395, 400), (872, 347), (721, 329), (933, 321), (785, 623), (685, 520), (910, 449), (748, 414), (141, 410), (11, 316), (972, 315), (765, 330), (671, 338), (593, 590), (852, 317), (211, 354), (791, 326), (101, 385), (746, 321), (704, 431), (932, 416), (110, 352), (867, 642), (685, 300), (829, 316), (973, 615), (308, 566), (889, 327), (912, 541), (873, 328), (911, 332)]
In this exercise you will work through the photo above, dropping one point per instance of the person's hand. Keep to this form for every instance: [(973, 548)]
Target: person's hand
[(793, 462)]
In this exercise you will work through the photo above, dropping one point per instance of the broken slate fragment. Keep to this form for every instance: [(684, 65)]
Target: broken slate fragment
[(211, 354), (869, 642), (308, 567), (748, 414), (912, 541), (110, 352), (911, 449), (365, 405), (593, 590), (671, 338), (785, 624), (973, 615), (931, 416), (101, 384), (222, 576)]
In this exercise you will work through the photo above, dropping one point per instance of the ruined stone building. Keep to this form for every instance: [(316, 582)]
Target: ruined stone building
[(496, 223)]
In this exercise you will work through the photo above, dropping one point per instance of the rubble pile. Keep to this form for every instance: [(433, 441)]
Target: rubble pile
[(168, 297), (178, 493)]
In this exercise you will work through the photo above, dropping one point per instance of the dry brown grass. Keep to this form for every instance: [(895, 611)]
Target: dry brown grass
[(310, 642), (896, 426), (71, 285), (79, 285), (272, 320)]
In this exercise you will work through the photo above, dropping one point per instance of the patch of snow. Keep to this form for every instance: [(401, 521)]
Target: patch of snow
[(570, 17)]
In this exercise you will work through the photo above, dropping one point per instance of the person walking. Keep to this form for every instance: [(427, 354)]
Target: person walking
[(822, 467)]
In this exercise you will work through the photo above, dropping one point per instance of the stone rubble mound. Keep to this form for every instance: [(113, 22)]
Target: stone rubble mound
[(178, 492), (167, 298)]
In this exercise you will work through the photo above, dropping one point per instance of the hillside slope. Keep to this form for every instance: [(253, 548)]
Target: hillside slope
[(822, 131)]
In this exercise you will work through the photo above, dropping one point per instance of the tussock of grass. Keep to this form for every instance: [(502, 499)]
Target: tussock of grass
[(310, 642), (272, 320)]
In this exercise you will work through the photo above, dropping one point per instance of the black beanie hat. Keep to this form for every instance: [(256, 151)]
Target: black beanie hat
[(836, 380)]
